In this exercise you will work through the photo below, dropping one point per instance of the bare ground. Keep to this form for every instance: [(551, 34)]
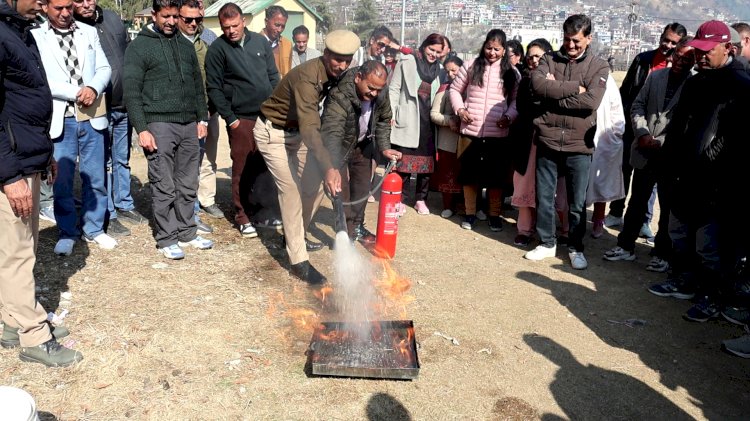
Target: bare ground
[(211, 337)]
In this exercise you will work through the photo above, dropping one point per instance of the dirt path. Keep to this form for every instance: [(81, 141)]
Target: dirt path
[(208, 337)]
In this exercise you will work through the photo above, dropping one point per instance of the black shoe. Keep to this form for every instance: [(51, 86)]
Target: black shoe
[(365, 237), (312, 245), (203, 228), (213, 211), (116, 229), (306, 272), (132, 217), (496, 224)]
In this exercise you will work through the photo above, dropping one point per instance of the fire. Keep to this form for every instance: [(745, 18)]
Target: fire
[(392, 289), (323, 293)]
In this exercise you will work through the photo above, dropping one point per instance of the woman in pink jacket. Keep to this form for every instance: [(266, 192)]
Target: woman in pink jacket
[(490, 85)]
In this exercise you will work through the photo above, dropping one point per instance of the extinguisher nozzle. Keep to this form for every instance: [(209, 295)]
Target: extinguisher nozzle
[(339, 224)]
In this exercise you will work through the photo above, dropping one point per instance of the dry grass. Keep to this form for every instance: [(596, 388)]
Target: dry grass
[(199, 339)]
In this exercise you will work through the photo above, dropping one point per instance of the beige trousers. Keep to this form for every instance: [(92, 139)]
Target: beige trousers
[(18, 239), (299, 180), (207, 177)]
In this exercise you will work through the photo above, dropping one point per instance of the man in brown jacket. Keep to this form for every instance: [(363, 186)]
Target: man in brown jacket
[(571, 84)]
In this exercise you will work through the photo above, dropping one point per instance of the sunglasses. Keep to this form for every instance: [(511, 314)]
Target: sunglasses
[(381, 44), (188, 20)]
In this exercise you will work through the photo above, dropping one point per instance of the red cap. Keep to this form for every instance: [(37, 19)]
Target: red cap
[(710, 34)]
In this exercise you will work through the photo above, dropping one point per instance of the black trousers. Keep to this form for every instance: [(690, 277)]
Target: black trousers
[(355, 185), (173, 175)]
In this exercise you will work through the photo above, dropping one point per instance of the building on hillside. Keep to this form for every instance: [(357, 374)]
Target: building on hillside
[(300, 13)]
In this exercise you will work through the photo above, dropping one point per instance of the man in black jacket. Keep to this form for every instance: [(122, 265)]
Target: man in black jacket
[(114, 39), (643, 64), (240, 74), (707, 152), (357, 113), (25, 154)]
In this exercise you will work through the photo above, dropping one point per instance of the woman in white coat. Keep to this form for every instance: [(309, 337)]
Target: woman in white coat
[(413, 86), (605, 179)]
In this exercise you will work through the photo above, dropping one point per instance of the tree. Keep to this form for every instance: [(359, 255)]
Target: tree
[(328, 20), (365, 18)]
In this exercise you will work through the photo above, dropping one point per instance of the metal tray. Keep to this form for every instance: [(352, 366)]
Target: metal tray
[(379, 349)]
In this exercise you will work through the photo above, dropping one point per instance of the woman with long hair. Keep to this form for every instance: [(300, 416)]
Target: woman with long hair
[(413, 86), (447, 122), (483, 95)]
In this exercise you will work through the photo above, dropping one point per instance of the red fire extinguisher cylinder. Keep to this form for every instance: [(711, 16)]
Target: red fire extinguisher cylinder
[(388, 215)]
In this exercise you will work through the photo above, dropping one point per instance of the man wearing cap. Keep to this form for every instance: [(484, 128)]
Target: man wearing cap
[(706, 153), (288, 136), (240, 75)]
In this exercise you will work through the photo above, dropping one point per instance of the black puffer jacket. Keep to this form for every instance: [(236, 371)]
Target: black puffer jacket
[(340, 120), (25, 101)]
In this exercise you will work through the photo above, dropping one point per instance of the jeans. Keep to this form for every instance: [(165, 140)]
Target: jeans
[(118, 164), (80, 140), (575, 168)]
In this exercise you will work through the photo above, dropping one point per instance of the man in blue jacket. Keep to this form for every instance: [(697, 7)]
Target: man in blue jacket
[(26, 154)]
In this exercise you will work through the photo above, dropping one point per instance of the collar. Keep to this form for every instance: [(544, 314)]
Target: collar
[(274, 42), (71, 28)]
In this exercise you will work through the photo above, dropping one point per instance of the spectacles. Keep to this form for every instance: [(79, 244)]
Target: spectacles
[(190, 20)]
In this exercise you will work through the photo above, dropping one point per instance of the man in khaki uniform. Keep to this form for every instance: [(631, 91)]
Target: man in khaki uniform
[(288, 136)]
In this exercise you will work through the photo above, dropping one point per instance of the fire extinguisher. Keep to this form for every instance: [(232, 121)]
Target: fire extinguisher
[(388, 214)]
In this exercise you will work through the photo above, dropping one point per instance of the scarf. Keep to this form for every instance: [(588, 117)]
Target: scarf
[(427, 71)]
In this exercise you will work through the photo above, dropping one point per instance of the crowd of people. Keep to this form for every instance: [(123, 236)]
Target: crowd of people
[(550, 130)]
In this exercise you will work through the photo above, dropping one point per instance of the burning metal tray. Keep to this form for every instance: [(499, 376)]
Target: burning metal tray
[(379, 349)]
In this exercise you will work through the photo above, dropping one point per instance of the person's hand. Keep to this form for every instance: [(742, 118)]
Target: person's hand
[(392, 154), (146, 141), (52, 173), (648, 142), (234, 125), (463, 114), (333, 181), (393, 122), (581, 89), (202, 131), (19, 197), (86, 96), (503, 122), (550, 76)]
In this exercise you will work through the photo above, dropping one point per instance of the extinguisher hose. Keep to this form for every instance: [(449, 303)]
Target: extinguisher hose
[(388, 168)]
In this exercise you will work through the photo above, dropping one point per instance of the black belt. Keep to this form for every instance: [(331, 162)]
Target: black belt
[(276, 126)]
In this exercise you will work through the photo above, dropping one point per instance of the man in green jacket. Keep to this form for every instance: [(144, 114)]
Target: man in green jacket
[(167, 107), (356, 119), (240, 75)]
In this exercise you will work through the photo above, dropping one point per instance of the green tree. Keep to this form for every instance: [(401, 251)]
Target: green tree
[(321, 8), (365, 18)]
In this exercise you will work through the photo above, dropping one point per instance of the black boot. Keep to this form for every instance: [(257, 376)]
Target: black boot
[(306, 272)]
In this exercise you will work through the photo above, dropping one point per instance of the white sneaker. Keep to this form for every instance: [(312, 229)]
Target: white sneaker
[(446, 213), (540, 252), (481, 215), (612, 221), (248, 231), (173, 252), (577, 259), (198, 242), (103, 240)]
